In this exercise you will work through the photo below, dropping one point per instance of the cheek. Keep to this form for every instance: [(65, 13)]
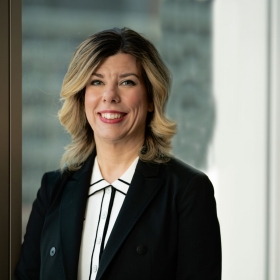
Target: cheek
[(89, 107), (139, 101), (90, 100)]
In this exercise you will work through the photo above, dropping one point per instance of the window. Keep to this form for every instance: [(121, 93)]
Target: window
[(231, 107)]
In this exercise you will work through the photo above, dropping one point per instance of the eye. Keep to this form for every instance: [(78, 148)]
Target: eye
[(128, 82), (96, 82)]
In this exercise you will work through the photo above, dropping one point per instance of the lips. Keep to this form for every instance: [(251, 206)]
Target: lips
[(110, 116)]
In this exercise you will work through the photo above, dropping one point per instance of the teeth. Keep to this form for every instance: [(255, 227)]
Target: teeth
[(111, 116)]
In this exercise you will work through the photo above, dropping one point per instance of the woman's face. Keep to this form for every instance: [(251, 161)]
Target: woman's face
[(116, 102)]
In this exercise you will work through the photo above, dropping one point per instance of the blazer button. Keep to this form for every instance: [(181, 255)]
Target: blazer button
[(52, 251), (141, 250)]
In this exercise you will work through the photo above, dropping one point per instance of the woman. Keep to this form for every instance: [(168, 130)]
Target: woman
[(121, 207)]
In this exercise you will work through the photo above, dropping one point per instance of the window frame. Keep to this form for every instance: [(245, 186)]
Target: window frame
[(273, 148), (11, 135)]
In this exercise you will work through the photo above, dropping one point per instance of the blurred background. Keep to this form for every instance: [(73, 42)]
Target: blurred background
[(224, 59)]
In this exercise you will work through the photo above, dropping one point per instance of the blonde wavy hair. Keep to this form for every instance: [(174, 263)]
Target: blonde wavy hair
[(87, 57)]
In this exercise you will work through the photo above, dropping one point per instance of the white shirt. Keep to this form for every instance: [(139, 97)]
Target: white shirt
[(103, 206)]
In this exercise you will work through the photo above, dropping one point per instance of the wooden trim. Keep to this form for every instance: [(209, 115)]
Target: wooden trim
[(10, 140), (4, 139), (15, 131)]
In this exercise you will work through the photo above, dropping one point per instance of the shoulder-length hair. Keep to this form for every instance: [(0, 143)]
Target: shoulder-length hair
[(87, 57)]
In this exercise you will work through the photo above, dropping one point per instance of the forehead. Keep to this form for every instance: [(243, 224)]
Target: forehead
[(120, 62)]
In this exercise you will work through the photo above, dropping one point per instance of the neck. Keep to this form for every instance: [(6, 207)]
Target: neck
[(114, 160)]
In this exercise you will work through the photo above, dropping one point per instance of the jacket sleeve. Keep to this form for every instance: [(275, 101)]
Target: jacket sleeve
[(199, 241), (28, 266)]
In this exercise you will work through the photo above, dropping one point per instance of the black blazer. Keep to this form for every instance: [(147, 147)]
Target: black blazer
[(167, 227)]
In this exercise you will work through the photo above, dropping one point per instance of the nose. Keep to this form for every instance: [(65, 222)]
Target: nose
[(111, 95)]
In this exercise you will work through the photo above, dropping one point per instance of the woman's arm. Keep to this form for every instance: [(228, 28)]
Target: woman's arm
[(199, 241), (28, 266)]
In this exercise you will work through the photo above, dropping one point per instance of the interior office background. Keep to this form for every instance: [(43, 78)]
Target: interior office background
[(224, 57)]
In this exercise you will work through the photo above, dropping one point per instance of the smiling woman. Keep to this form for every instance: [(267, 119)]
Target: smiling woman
[(116, 105), (121, 207), (152, 74)]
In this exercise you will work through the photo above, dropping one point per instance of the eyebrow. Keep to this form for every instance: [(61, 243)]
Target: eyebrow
[(121, 76), (128, 74), (98, 75)]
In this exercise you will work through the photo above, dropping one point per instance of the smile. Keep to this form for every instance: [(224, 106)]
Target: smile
[(112, 116)]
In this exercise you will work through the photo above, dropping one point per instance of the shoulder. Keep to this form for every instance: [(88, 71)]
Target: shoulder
[(52, 181), (185, 178), (177, 168), (174, 170), (52, 176), (191, 187)]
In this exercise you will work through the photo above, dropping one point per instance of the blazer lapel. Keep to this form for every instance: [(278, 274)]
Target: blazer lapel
[(73, 205), (144, 186)]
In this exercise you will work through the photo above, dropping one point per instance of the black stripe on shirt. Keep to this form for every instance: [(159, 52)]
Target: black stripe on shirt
[(120, 192), (90, 272), (112, 198), (96, 182), (124, 181), (98, 191)]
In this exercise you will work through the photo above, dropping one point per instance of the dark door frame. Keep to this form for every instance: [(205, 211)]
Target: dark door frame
[(10, 140)]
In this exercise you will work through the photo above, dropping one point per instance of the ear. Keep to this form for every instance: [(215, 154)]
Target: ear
[(151, 107)]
